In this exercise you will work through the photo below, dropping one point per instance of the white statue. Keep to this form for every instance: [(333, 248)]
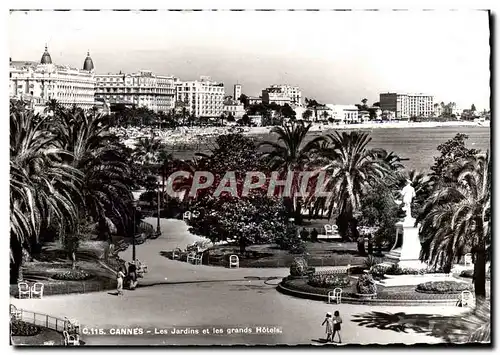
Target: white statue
[(408, 194)]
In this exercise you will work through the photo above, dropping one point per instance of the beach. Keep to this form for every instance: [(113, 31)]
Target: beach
[(416, 141), (191, 134)]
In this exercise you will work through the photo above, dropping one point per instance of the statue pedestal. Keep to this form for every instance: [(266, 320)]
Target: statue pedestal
[(407, 250)]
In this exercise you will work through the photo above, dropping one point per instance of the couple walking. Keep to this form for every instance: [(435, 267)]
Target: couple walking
[(332, 326), (132, 278)]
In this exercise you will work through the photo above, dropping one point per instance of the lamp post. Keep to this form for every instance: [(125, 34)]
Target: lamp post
[(158, 229), (133, 236), (135, 232)]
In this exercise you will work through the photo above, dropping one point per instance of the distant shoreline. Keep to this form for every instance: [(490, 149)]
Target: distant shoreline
[(368, 126), (195, 135)]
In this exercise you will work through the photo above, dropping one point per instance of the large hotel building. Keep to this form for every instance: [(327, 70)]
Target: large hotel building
[(142, 89), (407, 105), (203, 98), (36, 83), (282, 94)]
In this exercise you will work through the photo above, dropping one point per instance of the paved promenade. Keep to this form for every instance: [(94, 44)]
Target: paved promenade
[(202, 297)]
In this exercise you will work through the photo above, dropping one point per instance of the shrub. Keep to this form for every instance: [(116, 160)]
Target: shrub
[(72, 275), (327, 281), (299, 267), (443, 287), (304, 234), (380, 270), (291, 241), (371, 261), (366, 285), (20, 328)]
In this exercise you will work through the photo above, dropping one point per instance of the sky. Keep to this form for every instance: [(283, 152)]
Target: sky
[(337, 57)]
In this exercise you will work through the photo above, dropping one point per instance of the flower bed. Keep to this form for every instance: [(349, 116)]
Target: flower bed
[(397, 270), (72, 275), (443, 287), (303, 286), (398, 293), (329, 281), (20, 328)]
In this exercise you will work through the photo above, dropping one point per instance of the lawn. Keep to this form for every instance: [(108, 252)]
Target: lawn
[(53, 261), (268, 255)]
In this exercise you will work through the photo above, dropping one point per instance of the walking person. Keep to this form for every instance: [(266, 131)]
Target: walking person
[(328, 323), (337, 321), (119, 281), (132, 275)]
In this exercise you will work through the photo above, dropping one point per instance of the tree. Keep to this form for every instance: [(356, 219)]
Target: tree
[(379, 210), (392, 160), (473, 108), (324, 115), (244, 100), (248, 220), (105, 164), (451, 151), (245, 120), (230, 118), (288, 112), (251, 219), (352, 169), (373, 113), (458, 217), (44, 188), (52, 106), (147, 151), (291, 152), (312, 103), (307, 114), (376, 104)]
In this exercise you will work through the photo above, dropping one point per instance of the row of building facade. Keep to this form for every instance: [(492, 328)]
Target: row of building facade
[(39, 82)]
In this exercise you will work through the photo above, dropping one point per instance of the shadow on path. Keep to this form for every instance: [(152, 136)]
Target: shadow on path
[(246, 278), (449, 328)]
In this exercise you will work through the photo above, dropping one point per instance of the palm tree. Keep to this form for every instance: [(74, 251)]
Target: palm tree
[(147, 151), (52, 106), (457, 217), (353, 168), (291, 153), (44, 188), (391, 159), (107, 182)]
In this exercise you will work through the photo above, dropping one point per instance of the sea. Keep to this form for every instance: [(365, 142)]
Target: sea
[(417, 144)]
